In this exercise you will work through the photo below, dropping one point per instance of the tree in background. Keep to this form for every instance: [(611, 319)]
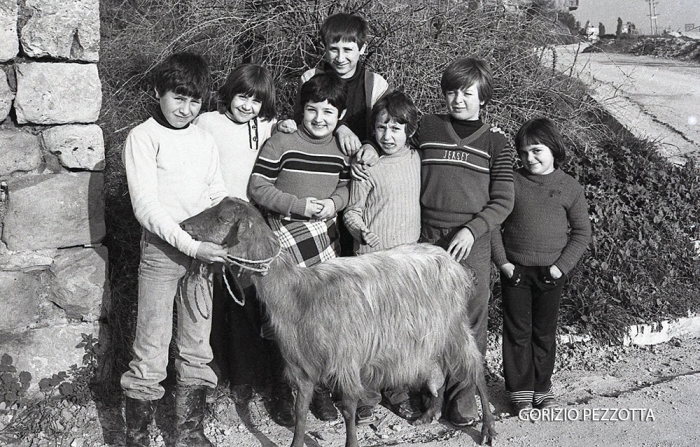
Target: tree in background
[(601, 29), (618, 31)]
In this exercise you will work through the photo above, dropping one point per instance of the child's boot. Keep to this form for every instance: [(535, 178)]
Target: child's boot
[(190, 402), (139, 413)]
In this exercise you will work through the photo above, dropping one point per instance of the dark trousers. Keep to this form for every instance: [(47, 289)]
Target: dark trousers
[(530, 309), (462, 400), (240, 354)]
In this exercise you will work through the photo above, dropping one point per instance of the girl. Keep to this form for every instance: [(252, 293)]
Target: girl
[(245, 119), (542, 240), (384, 209)]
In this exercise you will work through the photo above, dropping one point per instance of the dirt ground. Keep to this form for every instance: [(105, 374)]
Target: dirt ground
[(622, 396)]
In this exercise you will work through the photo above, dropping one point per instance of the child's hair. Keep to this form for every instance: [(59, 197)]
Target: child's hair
[(325, 86), (464, 72), (185, 74), (346, 27), (542, 131), (250, 80), (400, 108)]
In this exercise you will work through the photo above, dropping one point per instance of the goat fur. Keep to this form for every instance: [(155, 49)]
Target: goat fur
[(389, 319)]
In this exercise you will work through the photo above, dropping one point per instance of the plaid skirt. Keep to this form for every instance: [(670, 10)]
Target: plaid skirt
[(309, 242)]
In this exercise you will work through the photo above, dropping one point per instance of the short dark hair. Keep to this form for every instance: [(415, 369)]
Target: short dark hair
[(185, 74), (325, 86), (400, 108), (542, 131), (346, 27), (464, 72), (250, 80)]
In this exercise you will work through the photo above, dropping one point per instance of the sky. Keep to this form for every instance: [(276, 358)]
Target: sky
[(671, 14)]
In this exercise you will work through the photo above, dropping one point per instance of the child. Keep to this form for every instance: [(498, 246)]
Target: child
[(344, 37), (542, 240), (467, 190), (245, 119), (384, 209), (303, 180), (173, 173)]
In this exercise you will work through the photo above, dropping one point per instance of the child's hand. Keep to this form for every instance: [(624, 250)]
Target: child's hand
[(461, 244), (370, 238), (358, 172), (554, 272), (348, 141), (367, 155), (287, 126), (508, 268), (327, 210), (209, 252), (312, 207)]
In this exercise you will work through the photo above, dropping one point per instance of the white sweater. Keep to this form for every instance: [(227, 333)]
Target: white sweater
[(239, 146), (172, 174)]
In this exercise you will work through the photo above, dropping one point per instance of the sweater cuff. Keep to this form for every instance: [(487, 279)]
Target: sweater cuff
[(298, 207)]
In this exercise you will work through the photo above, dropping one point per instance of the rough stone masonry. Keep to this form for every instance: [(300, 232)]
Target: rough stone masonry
[(53, 268)]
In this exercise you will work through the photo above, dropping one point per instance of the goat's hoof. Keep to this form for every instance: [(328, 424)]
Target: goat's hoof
[(488, 435), (425, 419)]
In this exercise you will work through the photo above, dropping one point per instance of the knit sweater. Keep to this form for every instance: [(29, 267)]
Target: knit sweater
[(465, 182), (293, 167), (172, 174), (387, 203), (239, 145), (549, 224)]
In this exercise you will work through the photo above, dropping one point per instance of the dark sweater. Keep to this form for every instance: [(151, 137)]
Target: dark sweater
[(549, 224), (465, 181)]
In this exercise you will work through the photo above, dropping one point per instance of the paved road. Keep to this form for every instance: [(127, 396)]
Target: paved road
[(656, 99)]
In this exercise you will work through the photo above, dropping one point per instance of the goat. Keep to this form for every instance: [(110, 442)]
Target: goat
[(388, 319)]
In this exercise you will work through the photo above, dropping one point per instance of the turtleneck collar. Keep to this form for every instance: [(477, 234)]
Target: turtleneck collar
[(306, 136), (157, 115)]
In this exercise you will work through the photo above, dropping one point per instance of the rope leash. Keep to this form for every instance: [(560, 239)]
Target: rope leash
[(261, 266)]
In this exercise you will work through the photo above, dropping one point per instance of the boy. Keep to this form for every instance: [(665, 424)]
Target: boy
[(467, 191), (344, 36), (173, 173), (302, 179)]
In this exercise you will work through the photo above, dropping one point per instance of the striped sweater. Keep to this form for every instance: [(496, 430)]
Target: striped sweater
[(465, 182), (387, 204), (293, 167)]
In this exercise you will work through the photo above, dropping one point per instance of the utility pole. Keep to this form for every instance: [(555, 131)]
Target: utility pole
[(652, 16)]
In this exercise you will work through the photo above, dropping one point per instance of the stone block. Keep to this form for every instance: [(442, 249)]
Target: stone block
[(79, 282), (9, 45), (25, 261), (21, 299), (57, 93), (62, 29), (54, 211), (78, 146), (19, 151), (47, 350), (6, 96)]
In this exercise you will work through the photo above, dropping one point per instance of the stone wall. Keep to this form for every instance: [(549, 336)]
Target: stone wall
[(53, 269)]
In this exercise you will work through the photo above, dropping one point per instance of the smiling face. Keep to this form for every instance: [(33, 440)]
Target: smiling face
[(391, 136), (244, 108), (344, 57), (464, 104), (537, 159), (320, 118), (179, 109)]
